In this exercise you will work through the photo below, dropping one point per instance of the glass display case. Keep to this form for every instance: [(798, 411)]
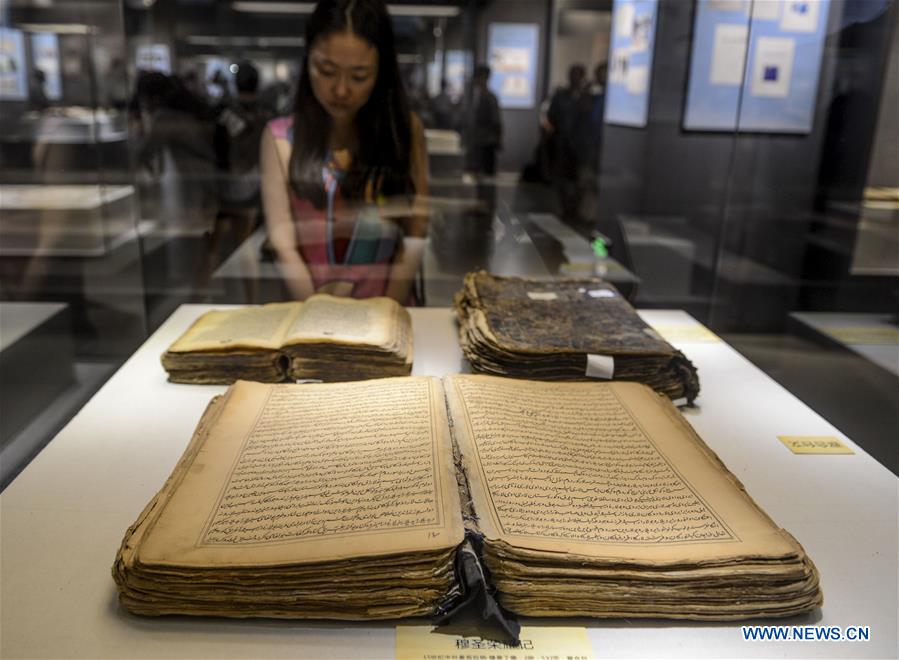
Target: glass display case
[(731, 167), (71, 275)]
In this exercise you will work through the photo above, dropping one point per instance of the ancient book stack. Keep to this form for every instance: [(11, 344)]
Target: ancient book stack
[(568, 329), (600, 500), (333, 501), (324, 338), (343, 501)]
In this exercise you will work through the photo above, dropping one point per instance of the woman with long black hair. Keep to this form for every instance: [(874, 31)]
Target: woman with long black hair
[(340, 176)]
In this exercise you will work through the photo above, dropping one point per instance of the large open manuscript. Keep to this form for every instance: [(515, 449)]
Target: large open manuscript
[(343, 501)]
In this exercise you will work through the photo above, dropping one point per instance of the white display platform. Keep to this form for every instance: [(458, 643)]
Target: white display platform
[(64, 517)]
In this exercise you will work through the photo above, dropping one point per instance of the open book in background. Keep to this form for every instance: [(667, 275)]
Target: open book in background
[(324, 338), (345, 501), (565, 329)]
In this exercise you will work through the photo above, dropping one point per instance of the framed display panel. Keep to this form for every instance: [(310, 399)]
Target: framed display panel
[(153, 57), (630, 62), (45, 54), (13, 75), (755, 65), (512, 50)]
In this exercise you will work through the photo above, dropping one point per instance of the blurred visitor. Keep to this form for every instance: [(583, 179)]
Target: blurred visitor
[(340, 176), (238, 134), (218, 88), (539, 170), (418, 99), (277, 98), (567, 121), (443, 109), (37, 94), (175, 144), (117, 84), (191, 82), (589, 170), (483, 130)]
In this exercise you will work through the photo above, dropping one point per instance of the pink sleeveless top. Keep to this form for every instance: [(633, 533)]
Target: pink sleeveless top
[(345, 256)]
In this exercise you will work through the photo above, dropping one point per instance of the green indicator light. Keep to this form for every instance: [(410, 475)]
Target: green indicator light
[(599, 248)]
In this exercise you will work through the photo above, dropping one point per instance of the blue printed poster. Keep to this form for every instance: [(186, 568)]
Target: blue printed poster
[(630, 62), (755, 65), (45, 54), (13, 76), (512, 51)]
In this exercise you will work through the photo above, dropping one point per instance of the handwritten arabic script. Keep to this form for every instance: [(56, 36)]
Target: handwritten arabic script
[(574, 464), (324, 461)]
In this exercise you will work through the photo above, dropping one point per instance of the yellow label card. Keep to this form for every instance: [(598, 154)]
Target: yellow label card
[(686, 332), (882, 335), (537, 643), (814, 444)]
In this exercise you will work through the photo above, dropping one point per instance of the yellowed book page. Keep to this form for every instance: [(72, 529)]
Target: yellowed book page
[(602, 470), (346, 321), (247, 327), (311, 473)]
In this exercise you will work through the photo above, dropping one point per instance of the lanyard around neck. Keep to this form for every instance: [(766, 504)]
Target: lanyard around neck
[(330, 178)]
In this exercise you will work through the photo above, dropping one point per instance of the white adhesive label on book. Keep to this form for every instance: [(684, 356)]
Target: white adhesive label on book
[(542, 295), (601, 293), (600, 366), (680, 402)]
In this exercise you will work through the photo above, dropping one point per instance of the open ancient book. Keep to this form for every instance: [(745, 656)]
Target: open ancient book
[(324, 338), (351, 500)]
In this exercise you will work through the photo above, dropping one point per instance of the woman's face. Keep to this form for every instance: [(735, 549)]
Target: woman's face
[(343, 69)]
